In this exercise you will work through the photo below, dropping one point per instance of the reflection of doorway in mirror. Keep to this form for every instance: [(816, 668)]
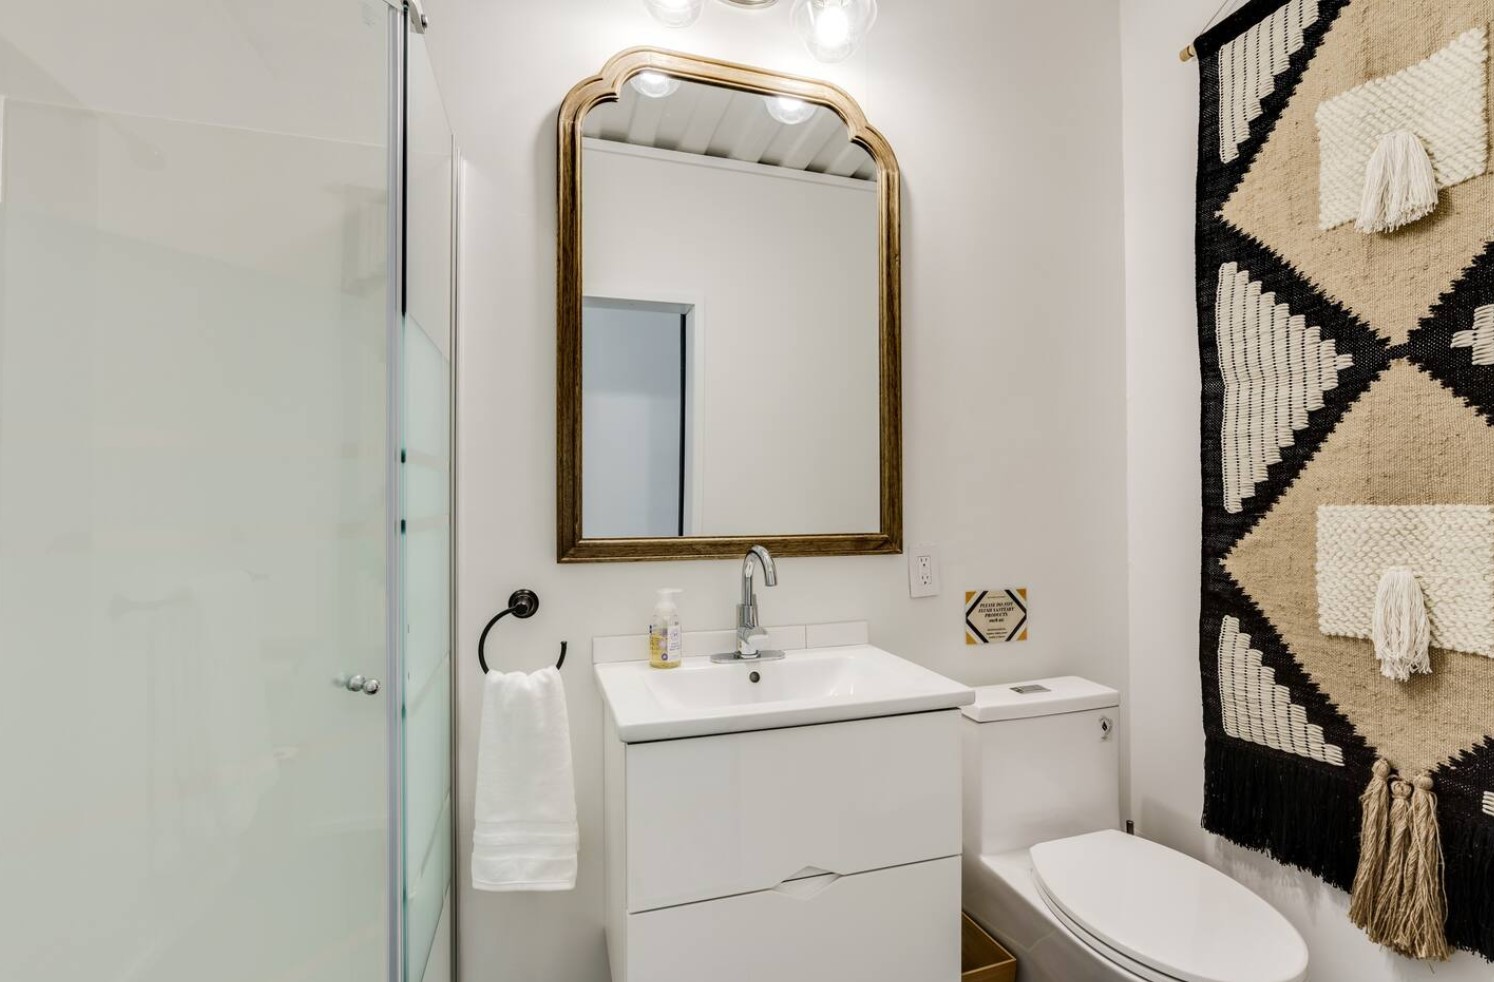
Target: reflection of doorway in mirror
[(641, 409)]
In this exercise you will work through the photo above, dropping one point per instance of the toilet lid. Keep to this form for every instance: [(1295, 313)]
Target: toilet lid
[(1167, 911)]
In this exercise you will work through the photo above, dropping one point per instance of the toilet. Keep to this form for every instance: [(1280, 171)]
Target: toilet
[(1048, 873)]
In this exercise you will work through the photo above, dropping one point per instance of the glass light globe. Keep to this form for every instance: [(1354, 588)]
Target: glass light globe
[(788, 110), (655, 85), (833, 29), (674, 13)]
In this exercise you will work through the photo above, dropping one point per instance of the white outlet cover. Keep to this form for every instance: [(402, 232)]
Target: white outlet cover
[(923, 571)]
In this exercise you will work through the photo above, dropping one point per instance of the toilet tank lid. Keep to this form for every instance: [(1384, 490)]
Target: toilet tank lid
[(1040, 697)]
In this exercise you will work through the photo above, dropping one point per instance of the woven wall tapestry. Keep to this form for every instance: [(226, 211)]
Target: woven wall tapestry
[(1345, 261)]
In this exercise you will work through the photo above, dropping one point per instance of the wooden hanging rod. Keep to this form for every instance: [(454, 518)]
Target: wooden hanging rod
[(1190, 52)]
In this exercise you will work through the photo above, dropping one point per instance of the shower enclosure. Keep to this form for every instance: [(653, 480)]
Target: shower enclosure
[(227, 246)]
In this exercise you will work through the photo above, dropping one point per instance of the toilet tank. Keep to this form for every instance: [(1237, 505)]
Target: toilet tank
[(1041, 762)]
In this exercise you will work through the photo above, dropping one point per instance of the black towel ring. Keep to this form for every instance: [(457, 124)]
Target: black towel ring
[(523, 604)]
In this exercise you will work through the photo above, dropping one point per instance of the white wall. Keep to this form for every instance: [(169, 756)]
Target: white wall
[(1160, 124), (1006, 120), (782, 271)]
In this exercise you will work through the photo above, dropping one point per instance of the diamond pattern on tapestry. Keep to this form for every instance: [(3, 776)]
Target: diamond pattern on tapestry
[(1275, 368), (1450, 341), (1480, 337), (1249, 65), (1443, 100), (1450, 548), (1388, 282), (1378, 454), (1257, 709)]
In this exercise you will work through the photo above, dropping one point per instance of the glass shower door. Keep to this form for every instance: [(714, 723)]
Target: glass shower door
[(195, 490)]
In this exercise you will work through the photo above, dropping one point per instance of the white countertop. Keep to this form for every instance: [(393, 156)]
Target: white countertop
[(809, 686)]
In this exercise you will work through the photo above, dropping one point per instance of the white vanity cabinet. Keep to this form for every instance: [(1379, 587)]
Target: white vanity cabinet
[(801, 854)]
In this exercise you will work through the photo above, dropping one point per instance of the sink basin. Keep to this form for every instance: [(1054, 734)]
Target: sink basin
[(812, 685)]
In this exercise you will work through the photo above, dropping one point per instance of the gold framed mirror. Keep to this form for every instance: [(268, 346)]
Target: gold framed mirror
[(729, 367)]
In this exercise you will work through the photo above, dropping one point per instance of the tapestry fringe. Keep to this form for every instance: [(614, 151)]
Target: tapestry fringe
[(1422, 931), (1290, 808), (1402, 631), (1470, 902), (1373, 832), (1400, 185), (1303, 816), (1388, 898)]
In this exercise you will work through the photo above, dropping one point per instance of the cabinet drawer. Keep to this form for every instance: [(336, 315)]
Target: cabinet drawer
[(896, 925), (723, 815)]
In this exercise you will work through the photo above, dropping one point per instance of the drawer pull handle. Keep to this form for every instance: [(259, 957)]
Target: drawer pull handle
[(807, 888)]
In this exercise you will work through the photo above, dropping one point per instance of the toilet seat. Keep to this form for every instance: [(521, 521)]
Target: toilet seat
[(1162, 915), (1120, 959)]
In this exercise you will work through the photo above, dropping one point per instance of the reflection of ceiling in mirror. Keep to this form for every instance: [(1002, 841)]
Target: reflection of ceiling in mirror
[(722, 122)]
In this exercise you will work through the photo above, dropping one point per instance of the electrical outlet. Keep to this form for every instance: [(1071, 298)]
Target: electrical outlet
[(923, 572)]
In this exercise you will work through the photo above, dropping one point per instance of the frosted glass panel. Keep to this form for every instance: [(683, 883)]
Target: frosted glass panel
[(193, 460), (427, 511)]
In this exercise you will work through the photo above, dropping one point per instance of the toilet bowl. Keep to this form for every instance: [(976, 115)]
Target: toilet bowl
[(1047, 872)]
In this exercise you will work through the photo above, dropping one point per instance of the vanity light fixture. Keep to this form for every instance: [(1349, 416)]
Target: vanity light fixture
[(674, 13), (654, 85), (832, 29), (788, 110)]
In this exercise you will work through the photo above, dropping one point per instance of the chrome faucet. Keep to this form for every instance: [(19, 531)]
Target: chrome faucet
[(752, 636)]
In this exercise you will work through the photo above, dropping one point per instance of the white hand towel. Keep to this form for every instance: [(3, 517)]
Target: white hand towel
[(524, 833)]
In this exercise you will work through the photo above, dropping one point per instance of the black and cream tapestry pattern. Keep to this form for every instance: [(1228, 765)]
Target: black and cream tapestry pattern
[(1345, 286)]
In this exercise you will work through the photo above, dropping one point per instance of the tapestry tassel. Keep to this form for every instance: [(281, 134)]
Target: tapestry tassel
[(1401, 630), (1423, 929), (1400, 185), (1388, 899), (1374, 826)]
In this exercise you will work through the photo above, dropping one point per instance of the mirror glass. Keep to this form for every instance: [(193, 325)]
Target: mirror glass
[(730, 325)]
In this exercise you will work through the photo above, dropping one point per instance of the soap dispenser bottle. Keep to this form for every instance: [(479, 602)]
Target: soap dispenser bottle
[(665, 643)]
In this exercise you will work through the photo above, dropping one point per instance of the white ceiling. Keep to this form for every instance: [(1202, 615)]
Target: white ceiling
[(721, 122)]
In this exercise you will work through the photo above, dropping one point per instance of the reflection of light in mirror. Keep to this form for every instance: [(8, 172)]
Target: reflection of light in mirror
[(833, 29), (674, 13), (788, 110), (655, 85)]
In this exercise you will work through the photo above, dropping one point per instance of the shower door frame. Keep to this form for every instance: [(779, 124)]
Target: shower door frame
[(454, 780), (399, 25), (406, 16)]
